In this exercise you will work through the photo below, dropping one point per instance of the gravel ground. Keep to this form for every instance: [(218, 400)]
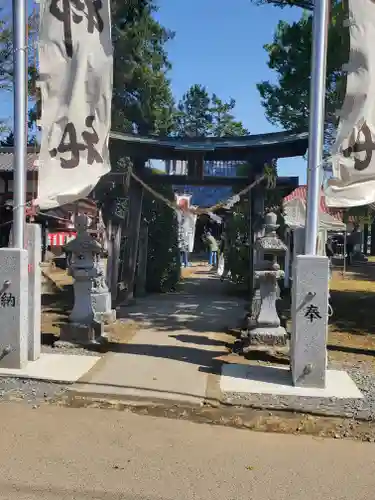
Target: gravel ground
[(35, 392), (352, 408), (31, 392), (78, 351)]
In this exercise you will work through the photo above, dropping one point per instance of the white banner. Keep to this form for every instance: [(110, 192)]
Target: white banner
[(76, 66), (186, 223), (353, 160)]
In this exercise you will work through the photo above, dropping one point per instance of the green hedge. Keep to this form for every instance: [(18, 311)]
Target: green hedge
[(163, 264), (237, 229), (238, 233)]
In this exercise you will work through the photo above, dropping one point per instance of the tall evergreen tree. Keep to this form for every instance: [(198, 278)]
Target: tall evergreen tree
[(8, 141), (286, 102), (6, 60), (201, 115), (142, 98), (223, 119), (304, 4), (193, 117)]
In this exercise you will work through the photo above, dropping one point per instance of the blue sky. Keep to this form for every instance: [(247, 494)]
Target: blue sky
[(219, 44)]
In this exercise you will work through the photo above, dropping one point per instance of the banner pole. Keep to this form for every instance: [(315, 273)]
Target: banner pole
[(316, 122), (20, 119)]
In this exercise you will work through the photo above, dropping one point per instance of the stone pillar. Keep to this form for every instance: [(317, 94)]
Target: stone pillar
[(14, 304), (34, 248), (309, 321)]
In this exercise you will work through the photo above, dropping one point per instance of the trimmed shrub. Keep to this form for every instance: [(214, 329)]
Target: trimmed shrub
[(163, 262)]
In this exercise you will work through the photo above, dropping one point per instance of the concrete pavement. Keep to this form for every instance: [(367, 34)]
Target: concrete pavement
[(80, 454), (174, 356)]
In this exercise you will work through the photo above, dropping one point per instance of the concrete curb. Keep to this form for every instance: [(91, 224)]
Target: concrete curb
[(83, 398), (256, 419)]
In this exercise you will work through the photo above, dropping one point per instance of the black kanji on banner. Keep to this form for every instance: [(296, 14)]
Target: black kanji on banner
[(67, 11), (70, 144), (366, 146)]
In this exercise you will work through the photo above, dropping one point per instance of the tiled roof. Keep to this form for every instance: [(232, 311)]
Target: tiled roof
[(301, 194), (7, 159)]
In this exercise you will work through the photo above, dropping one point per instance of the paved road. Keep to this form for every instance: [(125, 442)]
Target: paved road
[(60, 453)]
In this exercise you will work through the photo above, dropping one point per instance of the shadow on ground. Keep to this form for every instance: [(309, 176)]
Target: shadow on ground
[(207, 361), (361, 271), (353, 312), (55, 311), (201, 306)]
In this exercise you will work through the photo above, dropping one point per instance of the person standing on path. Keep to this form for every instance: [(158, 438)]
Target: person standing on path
[(212, 249)]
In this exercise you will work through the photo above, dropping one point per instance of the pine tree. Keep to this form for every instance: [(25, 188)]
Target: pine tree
[(142, 98)]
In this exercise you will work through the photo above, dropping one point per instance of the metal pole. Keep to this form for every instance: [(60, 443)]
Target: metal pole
[(20, 119), (316, 123)]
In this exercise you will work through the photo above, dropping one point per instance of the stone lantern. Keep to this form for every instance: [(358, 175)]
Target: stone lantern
[(92, 300), (264, 329)]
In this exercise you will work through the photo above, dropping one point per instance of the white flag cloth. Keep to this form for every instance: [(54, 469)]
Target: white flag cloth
[(353, 155), (186, 223), (186, 230), (76, 66)]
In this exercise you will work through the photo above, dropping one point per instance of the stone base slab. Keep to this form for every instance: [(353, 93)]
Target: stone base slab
[(83, 335), (245, 379), (64, 368)]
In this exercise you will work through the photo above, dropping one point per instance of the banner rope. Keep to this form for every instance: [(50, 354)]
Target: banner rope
[(230, 202)]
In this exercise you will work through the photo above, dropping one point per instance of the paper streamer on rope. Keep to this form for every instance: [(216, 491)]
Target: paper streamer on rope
[(231, 202), (186, 223), (76, 66), (215, 218), (353, 154)]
